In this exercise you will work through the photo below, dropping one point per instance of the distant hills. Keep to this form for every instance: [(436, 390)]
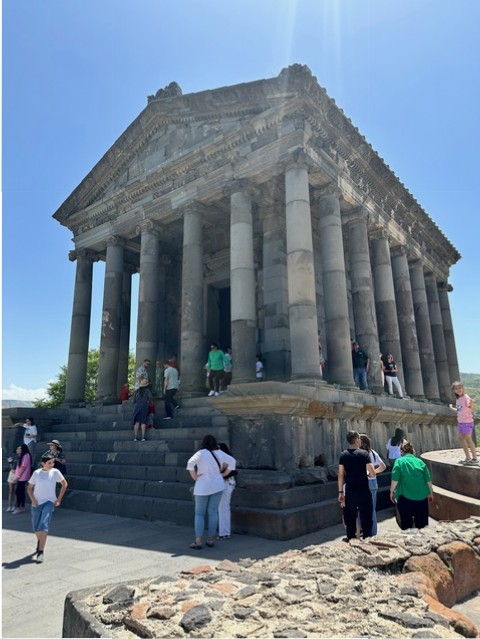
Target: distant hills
[(16, 403), (471, 381)]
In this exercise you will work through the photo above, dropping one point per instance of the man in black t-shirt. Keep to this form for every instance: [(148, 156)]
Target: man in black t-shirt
[(354, 468)]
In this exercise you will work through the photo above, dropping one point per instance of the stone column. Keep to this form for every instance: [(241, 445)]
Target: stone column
[(412, 370), (147, 296), (439, 348), (302, 308), (275, 296), (124, 346), (366, 332), (388, 330), (164, 262), (424, 332), (242, 282), (191, 348), (111, 321), (337, 327), (443, 290), (80, 330)]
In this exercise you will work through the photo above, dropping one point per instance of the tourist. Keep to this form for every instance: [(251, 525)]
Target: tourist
[(124, 393), (393, 446), (142, 373), (224, 509), (354, 468), (411, 489), (361, 366), (12, 484), (170, 388), (150, 415), (59, 457), (41, 490), (206, 467), (259, 369), (30, 434), (22, 475), (464, 409), (141, 398), (215, 366), (227, 369), (173, 361), (390, 371), (379, 467)]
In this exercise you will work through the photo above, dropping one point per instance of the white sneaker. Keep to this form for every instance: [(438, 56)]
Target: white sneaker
[(40, 558), (217, 394), (211, 394)]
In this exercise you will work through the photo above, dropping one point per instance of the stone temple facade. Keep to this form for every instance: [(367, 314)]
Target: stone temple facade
[(258, 216)]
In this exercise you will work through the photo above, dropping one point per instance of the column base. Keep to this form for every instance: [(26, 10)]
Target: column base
[(308, 381)]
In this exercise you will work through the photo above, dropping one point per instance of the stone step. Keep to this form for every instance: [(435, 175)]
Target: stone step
[(162, 489), (128, 458), (193, 433), (164, 472), (450, 505)]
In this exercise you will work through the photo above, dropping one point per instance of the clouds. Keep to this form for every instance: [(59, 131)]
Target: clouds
[(23, 394)]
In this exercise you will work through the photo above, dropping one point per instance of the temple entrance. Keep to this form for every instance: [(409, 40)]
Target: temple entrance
[(218, 317)]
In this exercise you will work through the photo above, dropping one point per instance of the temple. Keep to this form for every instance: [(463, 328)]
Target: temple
[(258, 216)]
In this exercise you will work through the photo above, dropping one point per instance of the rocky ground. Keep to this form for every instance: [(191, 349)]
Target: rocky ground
[(399, 585)]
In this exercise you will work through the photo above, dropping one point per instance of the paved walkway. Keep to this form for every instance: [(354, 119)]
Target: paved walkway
[(86, 550)]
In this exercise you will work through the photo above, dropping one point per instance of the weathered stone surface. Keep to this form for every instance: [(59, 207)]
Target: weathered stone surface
[(432, 566), (464, 565), (462, 624), (120, 594), (195, 618)]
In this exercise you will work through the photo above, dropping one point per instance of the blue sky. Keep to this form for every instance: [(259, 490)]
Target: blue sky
[(77, 73)]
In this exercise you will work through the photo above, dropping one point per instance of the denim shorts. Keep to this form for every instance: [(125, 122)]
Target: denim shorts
[(41, 516)]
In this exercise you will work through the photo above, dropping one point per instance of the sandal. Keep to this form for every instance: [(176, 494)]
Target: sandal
[(196, 546)]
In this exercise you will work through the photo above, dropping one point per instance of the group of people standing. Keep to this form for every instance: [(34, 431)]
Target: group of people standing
[(410, 489), (361, 367), (40, 484), (213, 469)]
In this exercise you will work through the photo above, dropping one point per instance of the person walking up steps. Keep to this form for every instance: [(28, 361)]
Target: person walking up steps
[(464, 409), (215, 366)]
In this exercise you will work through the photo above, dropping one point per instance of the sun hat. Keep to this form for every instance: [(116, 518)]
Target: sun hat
[(54, 441)]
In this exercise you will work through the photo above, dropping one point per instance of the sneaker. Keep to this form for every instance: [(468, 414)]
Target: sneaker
[(217, 393), (167, 418), (17, 511), (177, 407), (135, 439), (473, 462), (143, 439), (464, 461), (40, 558), (211, 394)]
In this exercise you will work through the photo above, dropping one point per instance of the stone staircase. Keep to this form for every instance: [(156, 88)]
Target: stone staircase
[(109, 473)]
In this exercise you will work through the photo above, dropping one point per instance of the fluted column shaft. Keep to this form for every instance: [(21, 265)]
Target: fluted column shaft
[(164, 264), (191, 349), (443, 290), (412, 369), (124, 346), (147, 296), (242, 283), (438, 337), (80, 328), (337, 325), (424, 332), (363, 300), (302, 309), (388, 330)]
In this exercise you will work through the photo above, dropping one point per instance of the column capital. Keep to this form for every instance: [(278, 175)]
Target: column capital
[(379, 233), (115, 240), (330, 189), (415, 261), (83, 252), (239, 185), (298, 159), (360, 214), (398, 250), (192, 207), (146, 226), (445, 286)]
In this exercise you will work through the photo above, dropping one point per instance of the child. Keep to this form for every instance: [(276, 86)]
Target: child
[(463, 408), (12, 485), (41, 490), (151, 415)]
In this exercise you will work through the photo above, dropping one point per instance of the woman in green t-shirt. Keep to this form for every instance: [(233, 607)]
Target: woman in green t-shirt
[(411, 488)]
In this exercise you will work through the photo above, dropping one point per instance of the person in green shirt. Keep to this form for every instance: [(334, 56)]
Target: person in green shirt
[(215, 366), (411, 488)]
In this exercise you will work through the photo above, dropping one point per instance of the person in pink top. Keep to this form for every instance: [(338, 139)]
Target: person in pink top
[(464, 409), (22, 475)]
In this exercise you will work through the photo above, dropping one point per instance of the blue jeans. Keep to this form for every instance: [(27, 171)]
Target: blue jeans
[(207, 505), (41, 516), (360, 378)]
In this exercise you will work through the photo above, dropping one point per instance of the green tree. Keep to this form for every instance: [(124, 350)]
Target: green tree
[(56, 389)]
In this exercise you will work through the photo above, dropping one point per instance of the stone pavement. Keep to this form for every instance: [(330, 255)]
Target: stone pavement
[(86, 549)]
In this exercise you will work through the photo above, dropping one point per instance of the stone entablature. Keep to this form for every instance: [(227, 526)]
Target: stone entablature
[(278, 149)]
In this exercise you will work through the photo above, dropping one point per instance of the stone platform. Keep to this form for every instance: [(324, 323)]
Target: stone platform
[(456, 487)]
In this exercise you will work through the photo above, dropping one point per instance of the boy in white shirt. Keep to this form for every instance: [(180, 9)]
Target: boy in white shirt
[(42, 492)]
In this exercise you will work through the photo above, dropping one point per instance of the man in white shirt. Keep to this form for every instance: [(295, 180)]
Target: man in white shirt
[(30, 434)]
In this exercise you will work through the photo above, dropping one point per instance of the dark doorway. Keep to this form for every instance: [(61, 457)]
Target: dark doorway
[(224, 317), (218, 317)]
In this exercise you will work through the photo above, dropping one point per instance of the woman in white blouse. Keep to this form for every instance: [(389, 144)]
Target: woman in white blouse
[(207, 468)]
